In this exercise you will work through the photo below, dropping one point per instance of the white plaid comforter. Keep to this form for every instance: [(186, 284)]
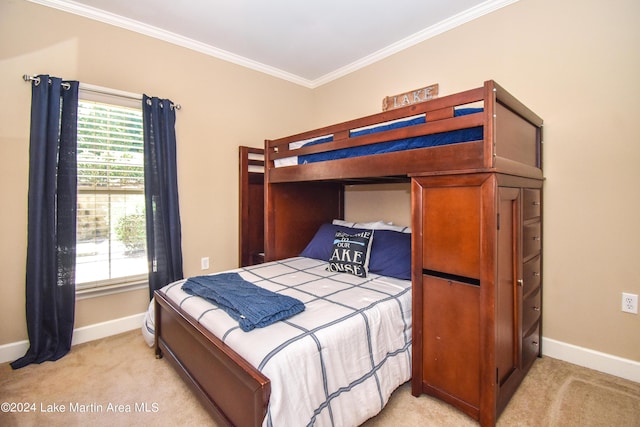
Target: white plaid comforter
[(336, 363)]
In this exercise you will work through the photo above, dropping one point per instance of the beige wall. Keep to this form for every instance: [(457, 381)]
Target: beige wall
[(223, 106), (575, 63), (387, 202)]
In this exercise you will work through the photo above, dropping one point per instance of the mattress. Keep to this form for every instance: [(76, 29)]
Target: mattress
[(432, 140), (338, 361)]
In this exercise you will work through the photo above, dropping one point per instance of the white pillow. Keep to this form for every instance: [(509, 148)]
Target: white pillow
[(374, 225)]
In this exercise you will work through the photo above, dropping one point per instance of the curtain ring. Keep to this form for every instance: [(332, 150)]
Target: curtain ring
[(27, 78)]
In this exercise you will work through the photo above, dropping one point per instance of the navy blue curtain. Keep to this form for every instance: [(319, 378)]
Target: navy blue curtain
[(51, 241), (164, 246)]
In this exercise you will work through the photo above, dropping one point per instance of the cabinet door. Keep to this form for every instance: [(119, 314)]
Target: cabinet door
[(507, 294), (451, 360), (451, 230), (451, 332)]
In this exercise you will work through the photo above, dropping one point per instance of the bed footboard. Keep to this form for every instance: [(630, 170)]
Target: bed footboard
[(232, 390)]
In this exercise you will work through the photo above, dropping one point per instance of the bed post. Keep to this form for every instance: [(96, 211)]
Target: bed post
[(489, 124)]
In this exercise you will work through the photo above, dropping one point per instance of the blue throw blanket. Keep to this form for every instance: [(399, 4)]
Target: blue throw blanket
[(251, 305)]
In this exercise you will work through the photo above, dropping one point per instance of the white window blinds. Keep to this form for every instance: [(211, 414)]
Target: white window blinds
[(111, 242)]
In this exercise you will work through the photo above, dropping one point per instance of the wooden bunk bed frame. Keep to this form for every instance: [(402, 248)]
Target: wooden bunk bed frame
[(298, 199), (511, 145), (251, 197)]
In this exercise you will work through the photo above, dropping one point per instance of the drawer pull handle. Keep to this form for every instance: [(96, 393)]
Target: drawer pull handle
[(536, 203), (534, 343), (520, 282), (536, 238), (536, 308), (536, 273)]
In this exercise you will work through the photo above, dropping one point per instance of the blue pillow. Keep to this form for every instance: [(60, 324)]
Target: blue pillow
[(321, 245), (390, 250), (391, 254)]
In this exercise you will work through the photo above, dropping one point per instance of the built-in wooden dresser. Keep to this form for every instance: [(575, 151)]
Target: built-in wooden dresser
[(477, 290)]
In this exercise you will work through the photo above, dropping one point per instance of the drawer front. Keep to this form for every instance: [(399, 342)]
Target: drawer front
[(531, 308), (532, 240), (530, 203), (531, 274), (530, 347)]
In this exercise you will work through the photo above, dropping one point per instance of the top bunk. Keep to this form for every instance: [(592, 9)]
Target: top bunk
[(485, 129)]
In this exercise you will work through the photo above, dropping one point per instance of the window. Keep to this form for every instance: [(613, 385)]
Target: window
[(111, 241)]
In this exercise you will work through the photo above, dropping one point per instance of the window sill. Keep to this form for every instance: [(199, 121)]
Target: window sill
[(111, 289)]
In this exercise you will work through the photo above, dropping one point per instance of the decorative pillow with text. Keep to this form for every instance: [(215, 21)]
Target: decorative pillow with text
[(350, 253)]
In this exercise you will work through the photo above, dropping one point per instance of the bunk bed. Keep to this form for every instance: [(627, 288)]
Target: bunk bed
[(476, 248)]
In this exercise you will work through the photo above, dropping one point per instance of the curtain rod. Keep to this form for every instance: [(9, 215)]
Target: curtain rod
[(98, 89)]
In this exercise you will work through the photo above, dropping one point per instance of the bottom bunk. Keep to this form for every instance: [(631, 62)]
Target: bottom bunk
[(335, 363)]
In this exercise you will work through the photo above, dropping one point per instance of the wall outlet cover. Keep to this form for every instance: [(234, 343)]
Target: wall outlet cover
[(630, 303)]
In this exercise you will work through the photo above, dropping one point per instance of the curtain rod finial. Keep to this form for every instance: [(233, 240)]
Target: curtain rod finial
[(29, 78)]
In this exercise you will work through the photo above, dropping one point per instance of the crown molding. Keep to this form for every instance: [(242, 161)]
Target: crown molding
[(170, 37), (414, 39), (173, 38)]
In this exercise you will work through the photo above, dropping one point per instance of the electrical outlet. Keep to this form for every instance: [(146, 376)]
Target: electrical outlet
[(630, 303), (204, 263)]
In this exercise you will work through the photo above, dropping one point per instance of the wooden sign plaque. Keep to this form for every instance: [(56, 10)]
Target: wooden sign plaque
[(409, 98)]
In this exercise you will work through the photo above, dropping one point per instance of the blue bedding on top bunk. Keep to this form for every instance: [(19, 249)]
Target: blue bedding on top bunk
[(451, 137)]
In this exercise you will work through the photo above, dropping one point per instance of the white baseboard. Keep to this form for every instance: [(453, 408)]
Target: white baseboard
[(13, 351), (603, 362)]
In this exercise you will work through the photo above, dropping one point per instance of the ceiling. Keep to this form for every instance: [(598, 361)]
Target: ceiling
[(309, 43)]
